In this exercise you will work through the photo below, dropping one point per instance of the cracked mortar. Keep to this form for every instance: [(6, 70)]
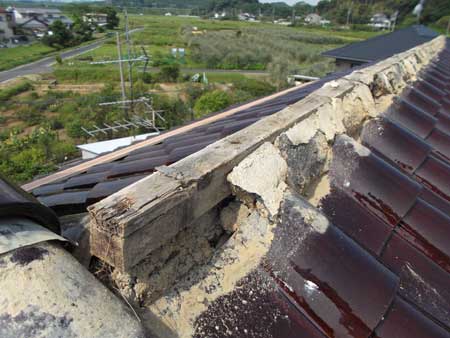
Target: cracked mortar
[(179, 308), (262, 173), (165, 266)]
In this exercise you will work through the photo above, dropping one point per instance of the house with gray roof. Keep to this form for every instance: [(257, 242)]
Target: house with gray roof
[(380, 47)]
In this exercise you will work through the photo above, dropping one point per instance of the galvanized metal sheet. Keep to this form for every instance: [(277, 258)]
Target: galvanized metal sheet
[(19, 232)]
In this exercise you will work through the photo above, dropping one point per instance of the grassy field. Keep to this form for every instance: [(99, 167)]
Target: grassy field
[(13, 57), (161, 34), (17, 56), (233, 45)]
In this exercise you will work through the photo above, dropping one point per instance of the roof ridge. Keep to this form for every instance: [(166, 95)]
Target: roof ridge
[(110, 157)]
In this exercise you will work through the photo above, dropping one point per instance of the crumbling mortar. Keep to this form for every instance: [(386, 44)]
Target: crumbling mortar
[(378, 87), (167, 265)]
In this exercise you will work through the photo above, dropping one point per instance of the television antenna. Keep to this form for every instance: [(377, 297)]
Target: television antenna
[(128, 102), (148, 122)]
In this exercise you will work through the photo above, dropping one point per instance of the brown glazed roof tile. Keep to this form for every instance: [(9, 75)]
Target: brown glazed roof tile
[(405, 321), (15, 202), (394, 202), (381, 267)]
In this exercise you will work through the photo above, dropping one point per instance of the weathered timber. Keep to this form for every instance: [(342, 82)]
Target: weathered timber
[(129, 225), (142, 217)]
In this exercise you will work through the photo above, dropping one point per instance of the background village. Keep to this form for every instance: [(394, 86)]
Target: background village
[(23, 25)]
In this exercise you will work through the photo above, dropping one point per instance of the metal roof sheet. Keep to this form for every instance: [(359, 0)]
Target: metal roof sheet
[(102, 147)]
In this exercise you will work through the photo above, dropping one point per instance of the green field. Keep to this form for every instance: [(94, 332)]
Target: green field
[(163, 33), (13, 57), (17, 56), (232, 44)]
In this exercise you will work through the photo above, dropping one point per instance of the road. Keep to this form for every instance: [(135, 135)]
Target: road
[(45, 65)]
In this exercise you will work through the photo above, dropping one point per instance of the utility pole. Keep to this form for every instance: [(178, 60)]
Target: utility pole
[(130, 63), (349, 12), (394, 21), (293, 16), (273, 14), (448, 27), (122, 80)]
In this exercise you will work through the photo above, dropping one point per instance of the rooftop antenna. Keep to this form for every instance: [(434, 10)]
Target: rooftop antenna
[(130, 60), (130, 120), (149, 122)]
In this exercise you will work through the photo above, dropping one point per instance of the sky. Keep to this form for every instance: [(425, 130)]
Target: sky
[(292, 2)]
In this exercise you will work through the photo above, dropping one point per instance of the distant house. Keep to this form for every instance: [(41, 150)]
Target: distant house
[(246, 17), (98, 19), (33, 26), (7, 24), (220, 15), (313, 19), (380, 21), (47, 15), (380, 47), (35, 21)]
